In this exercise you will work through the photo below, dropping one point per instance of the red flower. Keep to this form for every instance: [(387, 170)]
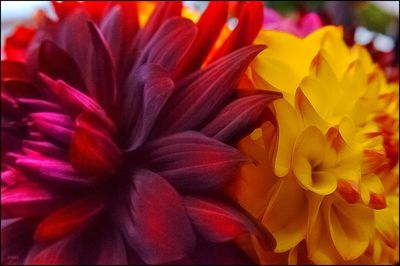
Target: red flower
[(114, 137)]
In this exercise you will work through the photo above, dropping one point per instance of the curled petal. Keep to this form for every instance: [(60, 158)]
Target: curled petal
[(309, 151)]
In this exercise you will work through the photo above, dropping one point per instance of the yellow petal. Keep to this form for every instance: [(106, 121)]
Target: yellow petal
[(321, 249), (289, 127), (309, 153), (286, 214), (308, 114), (350, 225)]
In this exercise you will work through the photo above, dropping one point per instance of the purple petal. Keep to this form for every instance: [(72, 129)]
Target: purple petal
[(169, 44), (240, 117), (190, 160), (194, 103), (111, 27), (161, 13), (74, 37), (156, 224), (101, 83), (149, 99)]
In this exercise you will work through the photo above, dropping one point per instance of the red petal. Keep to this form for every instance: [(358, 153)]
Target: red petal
[(249, 24), (68, 220), (50, 56), (63, 252), (193, 161), (209, 27), (156, 224), (13, 70), (217, 222), (204, 93), (17, 44), (92, 152), (241, 117)]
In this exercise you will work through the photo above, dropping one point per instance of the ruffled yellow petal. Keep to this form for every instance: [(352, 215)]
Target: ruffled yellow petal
[(309, 152)]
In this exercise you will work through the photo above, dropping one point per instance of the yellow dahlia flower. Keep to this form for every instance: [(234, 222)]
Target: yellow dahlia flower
[(325, 181)]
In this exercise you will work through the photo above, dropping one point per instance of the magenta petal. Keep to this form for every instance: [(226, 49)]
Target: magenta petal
[(149, 100), (156, 224), (190, 160), (240, 117), (194, 102), (218, 222), (45, 148), (101, 83), (169, 44), (63, 252), (11, 176), (54, 171), (28, 199), (50, 56)]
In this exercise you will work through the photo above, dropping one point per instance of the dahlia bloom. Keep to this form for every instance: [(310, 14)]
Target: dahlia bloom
[(116, 135), (325, 181)]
